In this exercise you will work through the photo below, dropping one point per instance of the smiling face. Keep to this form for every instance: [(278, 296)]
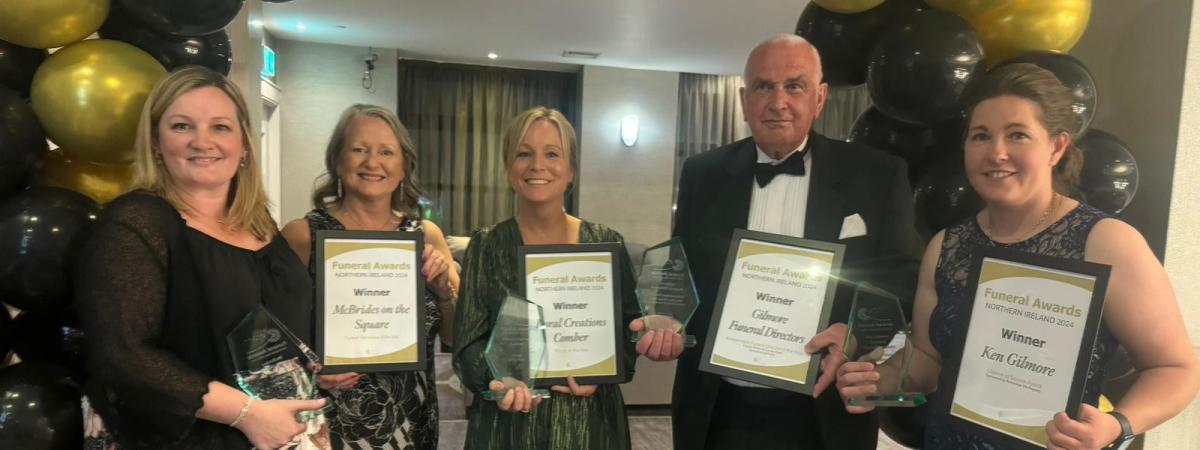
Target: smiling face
[(1009, 153), (540, 170), (783, 94), (371, 162), (200, 140)]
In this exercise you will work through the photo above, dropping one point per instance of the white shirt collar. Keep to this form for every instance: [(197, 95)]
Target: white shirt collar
[(763, 157)]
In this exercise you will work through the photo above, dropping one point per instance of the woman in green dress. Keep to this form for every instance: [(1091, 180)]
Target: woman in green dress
[(541, 161)]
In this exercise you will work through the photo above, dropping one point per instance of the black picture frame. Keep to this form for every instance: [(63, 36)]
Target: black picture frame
[(619, 336), (715, 331), (948, 384), (418, 239)]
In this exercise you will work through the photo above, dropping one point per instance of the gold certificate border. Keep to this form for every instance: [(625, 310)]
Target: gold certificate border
[(340, 247), (796, 373), (602, 368), (535, 263), (996, 269), (750, 247), (1034, 434), (404, 355)]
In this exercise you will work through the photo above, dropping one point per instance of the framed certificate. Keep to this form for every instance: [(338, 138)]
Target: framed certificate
[(579, 290), (370, 301), (1029, 338), (776, 293)]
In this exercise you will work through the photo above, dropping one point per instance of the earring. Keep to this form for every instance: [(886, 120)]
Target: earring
[(242, 163), (339, 188)]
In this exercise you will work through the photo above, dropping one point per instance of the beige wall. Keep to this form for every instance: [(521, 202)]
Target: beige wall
[(629, 188), (1137, 50), (246, 42), (318, 81), (1183, 242)]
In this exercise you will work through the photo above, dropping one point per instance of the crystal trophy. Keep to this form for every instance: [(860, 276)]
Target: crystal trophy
[(271, 363), (516, 350), (666, 291), (878, 331)]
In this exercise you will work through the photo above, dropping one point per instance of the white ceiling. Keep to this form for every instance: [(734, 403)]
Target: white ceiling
[(700, 36)]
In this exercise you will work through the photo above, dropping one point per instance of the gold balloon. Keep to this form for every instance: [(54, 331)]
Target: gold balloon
[(1007, 28), (100, 182), (89, 96), (50, 23), (848, 6)]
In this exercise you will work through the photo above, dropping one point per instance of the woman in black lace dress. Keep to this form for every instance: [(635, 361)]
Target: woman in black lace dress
[(1020, 159), (368, 186), (172, 267)]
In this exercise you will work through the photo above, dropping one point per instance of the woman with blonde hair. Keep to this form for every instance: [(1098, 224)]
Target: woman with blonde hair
[(172, 267), (541, 161), (369, 186)]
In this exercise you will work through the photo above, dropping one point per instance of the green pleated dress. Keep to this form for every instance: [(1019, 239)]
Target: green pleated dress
[(563, 421)]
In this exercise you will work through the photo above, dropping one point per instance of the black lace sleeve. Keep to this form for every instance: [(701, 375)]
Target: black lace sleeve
[(149, 396)]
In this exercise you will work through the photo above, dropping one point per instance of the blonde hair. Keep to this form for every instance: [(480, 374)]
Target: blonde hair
[(520, 125), (246, 207), (406, 199)]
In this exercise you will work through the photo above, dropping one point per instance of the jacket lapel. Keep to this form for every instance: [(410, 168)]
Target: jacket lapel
[(823, 214)]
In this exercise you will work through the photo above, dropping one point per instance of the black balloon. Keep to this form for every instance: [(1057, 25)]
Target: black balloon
[(845, 40), (17, 65), (1109, 178), (47, 338), (921, 65), (5, 334), (943, 196), (917, 145), (22, 142), (213, 51), (39, 408), (906, 426), (38, 231), (1074, 75), (183, 17)]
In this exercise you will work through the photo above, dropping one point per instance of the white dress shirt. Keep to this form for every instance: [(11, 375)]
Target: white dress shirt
[(779, 208)]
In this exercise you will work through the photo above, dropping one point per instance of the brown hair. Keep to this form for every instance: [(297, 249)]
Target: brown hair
[(1041, 87), (247, 203), (520, 125), (405, 199)]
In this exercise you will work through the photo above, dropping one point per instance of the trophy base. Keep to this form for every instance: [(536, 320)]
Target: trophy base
[(689, 341), (494, 396), (897, 400)]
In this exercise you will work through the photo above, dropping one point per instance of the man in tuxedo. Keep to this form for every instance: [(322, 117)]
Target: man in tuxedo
[(785, 179)]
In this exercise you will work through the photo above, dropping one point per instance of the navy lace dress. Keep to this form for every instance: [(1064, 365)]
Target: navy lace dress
[(1065, 238), (385, 410)]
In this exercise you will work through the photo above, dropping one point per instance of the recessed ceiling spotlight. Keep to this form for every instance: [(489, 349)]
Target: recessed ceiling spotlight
[(579, 54), (300, 26), (256, 23), (340, 27), (493, 55)]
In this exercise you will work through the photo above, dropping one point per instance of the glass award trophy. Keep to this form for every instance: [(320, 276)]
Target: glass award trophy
[(272, 363), (516, 351), (666, 291), (878, 331)]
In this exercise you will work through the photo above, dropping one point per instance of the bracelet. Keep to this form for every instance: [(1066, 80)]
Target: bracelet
[(242, 414)]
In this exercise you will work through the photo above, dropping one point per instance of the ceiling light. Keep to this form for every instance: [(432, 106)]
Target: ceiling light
[(300, 26), (256, 23), (493, 55)]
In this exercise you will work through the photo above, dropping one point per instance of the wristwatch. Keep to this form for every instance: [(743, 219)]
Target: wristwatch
[(1126, 436)]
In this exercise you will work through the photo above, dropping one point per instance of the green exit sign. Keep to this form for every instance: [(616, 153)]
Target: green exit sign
[(268, 70)]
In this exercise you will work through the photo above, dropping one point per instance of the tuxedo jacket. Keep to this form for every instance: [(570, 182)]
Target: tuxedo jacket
[(846, 179)]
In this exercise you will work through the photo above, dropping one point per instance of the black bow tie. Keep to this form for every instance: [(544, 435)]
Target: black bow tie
[(793, 165)]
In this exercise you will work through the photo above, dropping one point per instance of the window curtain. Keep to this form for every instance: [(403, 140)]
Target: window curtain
[(456, 114), (842, 107)]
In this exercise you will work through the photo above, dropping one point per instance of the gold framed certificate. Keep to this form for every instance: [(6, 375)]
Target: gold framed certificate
[(1029, 337), (579, 289), (370, 301), (776, 293)]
